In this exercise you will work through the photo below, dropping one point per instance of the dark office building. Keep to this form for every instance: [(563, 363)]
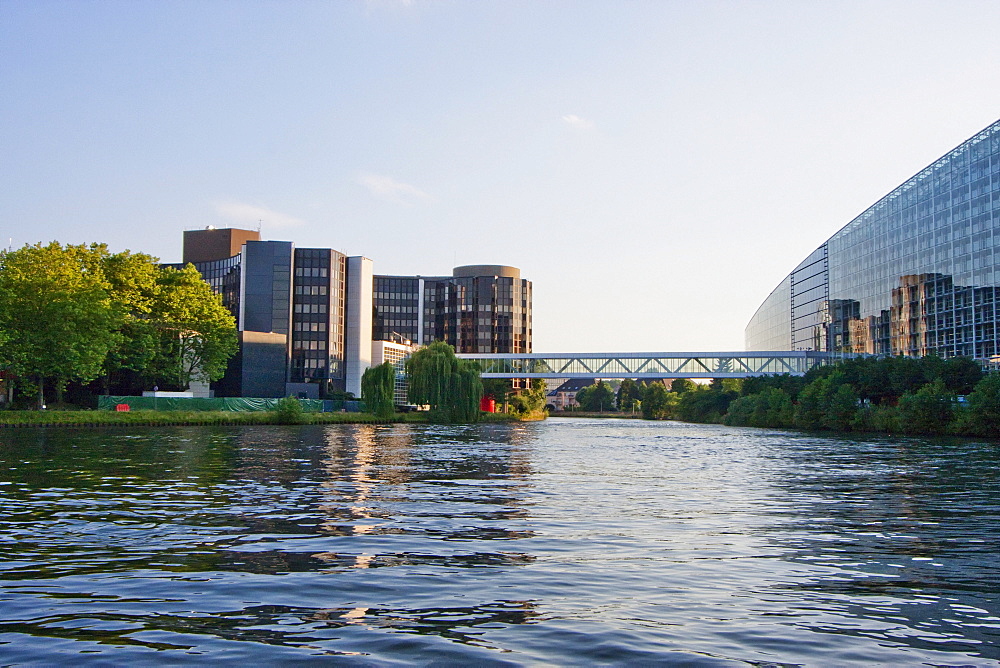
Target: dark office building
[(292, 300), (307, 317), (478, 309), (918, 273)]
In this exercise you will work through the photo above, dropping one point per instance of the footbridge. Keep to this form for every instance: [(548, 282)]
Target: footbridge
[(648, 365)]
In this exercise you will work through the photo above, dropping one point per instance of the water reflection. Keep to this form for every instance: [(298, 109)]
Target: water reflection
[(902, 534), (570, 542)]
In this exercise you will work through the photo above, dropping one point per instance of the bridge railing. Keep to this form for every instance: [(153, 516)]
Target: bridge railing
[(648, 365)]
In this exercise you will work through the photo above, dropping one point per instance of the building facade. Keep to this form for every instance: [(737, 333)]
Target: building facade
[(395, 354), (292, 307), (308, 317), (478, 309), (917, 273)]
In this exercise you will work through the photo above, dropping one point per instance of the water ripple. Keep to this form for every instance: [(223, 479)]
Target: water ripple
[(562, 543)]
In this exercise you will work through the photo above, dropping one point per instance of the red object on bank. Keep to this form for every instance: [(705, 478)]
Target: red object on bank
[(123, 408), (488, 404)]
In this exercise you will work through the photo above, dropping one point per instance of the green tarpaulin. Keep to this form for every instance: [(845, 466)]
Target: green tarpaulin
[(110, 403)]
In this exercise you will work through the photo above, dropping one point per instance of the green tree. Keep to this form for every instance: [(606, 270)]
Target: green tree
[(929, 410), (906, 374), (450, 386), (982, 417), (530, 399), (500, 389), (195, 333), (810, 412), (841, 408), (597, 397), (682, 385), (708, 403), (788, 383), (133, 290), (629, 395), (378, 384), (56, 314), (657, 403), (772, 407), (961, 374)]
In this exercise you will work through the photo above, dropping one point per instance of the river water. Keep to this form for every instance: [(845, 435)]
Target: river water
[(565, 542)]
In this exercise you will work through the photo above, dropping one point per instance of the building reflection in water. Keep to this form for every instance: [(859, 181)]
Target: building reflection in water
[(916, 273), (409, 483), (925, 314)]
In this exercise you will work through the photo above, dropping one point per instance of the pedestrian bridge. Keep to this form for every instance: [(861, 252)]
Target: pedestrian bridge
[(648, 365)]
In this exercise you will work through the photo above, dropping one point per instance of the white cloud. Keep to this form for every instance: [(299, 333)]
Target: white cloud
[(386, 187), (250, 214), (575, 121)]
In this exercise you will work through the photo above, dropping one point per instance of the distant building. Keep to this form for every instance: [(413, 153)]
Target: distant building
[(308, 317), (478, 309), (917, 273), (396, 354), (293, 309), (564, 396)]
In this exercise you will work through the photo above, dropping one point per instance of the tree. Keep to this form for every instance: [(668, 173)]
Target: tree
[(841, 408), (56, 314), (629, 395), (133, 290), (195, 334), (378, 384), (982, 417), (501, 389), (450, 386), (929, 410), (961, 374), (682, 385), (531, 399), (597, 397), (772, 407), (657, 403), (811, 409), (708, 404)]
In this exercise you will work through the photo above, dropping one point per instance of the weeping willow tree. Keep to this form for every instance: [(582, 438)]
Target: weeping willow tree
[(450, 386), (377, 385)]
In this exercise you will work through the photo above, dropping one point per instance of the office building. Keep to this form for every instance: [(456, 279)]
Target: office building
[(297, 305), (308, 317), (917, 273), (478, 309), (396, 354)]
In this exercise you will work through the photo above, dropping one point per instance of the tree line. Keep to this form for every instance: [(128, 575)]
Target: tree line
[(75, 313), (451, 387), (907, 395)]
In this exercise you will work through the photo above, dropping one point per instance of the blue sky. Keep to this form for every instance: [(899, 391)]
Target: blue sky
[(655, 168)]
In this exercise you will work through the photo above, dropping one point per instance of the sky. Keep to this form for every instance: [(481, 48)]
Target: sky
[(655, 168)]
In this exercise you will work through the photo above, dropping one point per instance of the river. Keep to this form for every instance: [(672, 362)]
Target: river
[(564, 542)]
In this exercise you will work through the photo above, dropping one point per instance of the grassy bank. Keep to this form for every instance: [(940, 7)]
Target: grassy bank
[(56, 418), (583, 414)]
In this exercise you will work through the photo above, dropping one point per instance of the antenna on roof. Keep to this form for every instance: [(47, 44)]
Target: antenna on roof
[(259, 221)]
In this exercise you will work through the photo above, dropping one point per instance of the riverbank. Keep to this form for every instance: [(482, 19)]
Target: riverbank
[(582, 414), (150, 418)]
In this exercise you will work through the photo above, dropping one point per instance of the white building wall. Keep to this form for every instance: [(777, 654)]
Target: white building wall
[(395, 353), (358, 328)]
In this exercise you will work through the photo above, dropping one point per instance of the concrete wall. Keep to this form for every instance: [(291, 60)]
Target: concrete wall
[(358, 330)]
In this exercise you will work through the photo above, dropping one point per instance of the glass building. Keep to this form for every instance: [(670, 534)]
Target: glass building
[(915, 274), (292, 311), (478, 309), (309, 319)]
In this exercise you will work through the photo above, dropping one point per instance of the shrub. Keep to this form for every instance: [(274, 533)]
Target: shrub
[(289, 411)]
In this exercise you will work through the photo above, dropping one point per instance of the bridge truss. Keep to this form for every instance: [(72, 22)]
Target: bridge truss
[(648, 365)]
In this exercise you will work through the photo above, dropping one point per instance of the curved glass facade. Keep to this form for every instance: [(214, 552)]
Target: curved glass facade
[(915, 274)]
